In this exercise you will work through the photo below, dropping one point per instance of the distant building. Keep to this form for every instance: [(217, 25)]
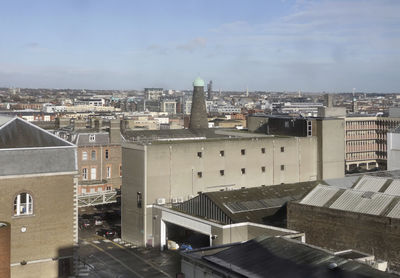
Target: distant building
[(153, 93), (168, 106), (38, 184)]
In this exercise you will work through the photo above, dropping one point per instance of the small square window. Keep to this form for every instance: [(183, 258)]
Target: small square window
[(222, 172), (282, 167), (263, 169), (243, 151), (262, 150), (282, 149), (243, 170), (221, 153), (199, 154), (199, 175)]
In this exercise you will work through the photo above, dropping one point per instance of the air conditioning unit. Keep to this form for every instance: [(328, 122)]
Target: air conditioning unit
[(161, 201), (174, 200)]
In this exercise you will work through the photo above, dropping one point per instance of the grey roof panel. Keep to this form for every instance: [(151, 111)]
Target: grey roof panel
[(18, 133), (319, 196), (395, 212), (369, 183), (101, 138), (394, 188), (359, 201)]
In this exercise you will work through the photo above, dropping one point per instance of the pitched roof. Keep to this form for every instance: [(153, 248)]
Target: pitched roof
[(18, 133), (280, 257)]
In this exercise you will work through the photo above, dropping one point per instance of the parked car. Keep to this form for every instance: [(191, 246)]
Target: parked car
[(117, 229), (98, 221), (185, 247), (172, 245), (107, 233), (84, 223)]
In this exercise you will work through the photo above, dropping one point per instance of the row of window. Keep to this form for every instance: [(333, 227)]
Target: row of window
[(242, 152), (242, 171), (93, 154), (93, 173)]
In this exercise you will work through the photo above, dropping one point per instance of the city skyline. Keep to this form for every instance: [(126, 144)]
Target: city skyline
[(286, 45)]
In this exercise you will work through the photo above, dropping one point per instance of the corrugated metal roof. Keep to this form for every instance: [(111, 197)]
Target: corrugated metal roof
[(345, 182), (319, 196), (394, 188), (362, 202), (395, 212), (369, 183)]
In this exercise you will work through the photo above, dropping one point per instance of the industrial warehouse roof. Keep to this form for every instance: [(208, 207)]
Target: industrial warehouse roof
[(18, 133), (178, 135), (354, 200), (279, 257), (263, 205)]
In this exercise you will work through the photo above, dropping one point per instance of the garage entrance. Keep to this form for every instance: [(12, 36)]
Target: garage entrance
[(184, 236)]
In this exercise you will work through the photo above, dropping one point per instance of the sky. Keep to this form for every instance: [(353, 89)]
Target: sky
[(331, 46)]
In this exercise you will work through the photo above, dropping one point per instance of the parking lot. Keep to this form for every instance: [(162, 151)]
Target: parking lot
[(102, 256)]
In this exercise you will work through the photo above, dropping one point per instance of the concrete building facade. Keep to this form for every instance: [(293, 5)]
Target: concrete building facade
[(161, 172)]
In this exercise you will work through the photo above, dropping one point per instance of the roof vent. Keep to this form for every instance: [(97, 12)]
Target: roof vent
[(368, 195)]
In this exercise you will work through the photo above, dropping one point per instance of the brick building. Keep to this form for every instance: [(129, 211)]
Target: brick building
[(364, 216), (38, 198)]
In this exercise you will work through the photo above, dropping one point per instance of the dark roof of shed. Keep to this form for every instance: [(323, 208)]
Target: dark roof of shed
[(282, 257), (257, 204), (18, 133)]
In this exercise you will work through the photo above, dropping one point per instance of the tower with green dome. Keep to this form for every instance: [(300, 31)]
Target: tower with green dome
[(198, 114)]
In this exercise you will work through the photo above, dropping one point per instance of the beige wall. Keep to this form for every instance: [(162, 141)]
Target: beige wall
[(132, 217), (331, 148), (49, 231), (169, 170)]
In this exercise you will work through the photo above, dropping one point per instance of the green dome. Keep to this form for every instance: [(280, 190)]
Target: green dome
[(198, 82)]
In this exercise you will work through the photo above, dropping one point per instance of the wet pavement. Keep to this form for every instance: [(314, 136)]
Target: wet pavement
[(103, 258)]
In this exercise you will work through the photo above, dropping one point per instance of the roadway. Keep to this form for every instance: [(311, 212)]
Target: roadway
[(103, 258)]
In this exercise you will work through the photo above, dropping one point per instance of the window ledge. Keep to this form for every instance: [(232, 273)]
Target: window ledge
[(22, 216)]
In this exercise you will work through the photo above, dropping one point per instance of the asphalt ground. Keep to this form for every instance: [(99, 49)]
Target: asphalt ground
[(103, 258)]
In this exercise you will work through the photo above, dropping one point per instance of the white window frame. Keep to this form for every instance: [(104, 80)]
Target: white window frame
[(23, 208), (93, 173), (108, 172), (84, 174), (84, 155), (92, 137)]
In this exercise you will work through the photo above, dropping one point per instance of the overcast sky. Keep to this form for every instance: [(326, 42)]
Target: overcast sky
[(263, 45)]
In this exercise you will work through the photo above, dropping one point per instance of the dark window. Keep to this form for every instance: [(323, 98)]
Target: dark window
[(221, 153), (106, 154), (199, 154), (263, 169), (200, 174), (282, 167), (262, 150), (93, 155), (282, 149), (139, 199), (243, 151), (243, 170), (221, 172)]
